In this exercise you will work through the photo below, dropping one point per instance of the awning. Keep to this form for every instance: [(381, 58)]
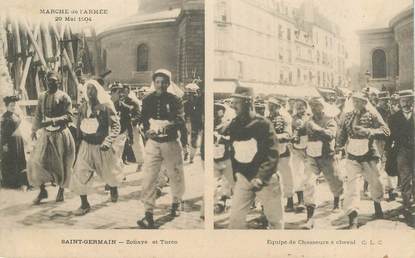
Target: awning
[(267, 89)]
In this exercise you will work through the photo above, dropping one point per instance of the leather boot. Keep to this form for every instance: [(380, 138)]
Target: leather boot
[(60, 196), (174, 212), (353, 222), (378, 210), (290, 205), (43, 194), (336, 204), (114, 194), (147, 222)]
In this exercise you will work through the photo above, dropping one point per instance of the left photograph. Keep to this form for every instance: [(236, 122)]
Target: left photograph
[(102, 114)]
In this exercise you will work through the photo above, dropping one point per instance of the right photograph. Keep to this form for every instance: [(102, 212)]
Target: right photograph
[(313, 114)]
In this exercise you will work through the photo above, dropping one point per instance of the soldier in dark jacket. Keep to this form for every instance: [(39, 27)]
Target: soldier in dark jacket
[(254, 161), (402, 138), (162, 118)]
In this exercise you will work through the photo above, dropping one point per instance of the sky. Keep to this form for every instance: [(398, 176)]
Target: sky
[(350, 15)]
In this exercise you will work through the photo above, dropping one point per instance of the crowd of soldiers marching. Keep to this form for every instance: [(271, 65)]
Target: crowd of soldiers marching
[(275, 148), (74, 146)]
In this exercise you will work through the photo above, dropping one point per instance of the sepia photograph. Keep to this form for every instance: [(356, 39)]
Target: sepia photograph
[(313, 115), (102, 115)]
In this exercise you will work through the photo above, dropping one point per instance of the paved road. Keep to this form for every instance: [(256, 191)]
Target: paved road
[(16, 210), (326, 219)]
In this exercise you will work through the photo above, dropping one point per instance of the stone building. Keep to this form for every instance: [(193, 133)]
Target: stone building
[(271, 43), (162, 34), (387, 54)]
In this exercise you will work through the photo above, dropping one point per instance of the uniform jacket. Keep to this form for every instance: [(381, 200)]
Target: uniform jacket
[(264, 163), (57, 106), (366, 119), (164, 107), (329, 134)]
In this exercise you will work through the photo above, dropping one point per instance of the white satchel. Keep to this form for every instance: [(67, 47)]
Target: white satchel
[(358, 147), (89, 125), (159, 126), (219, 151), (303, 142), (245, 151), (314, 149)]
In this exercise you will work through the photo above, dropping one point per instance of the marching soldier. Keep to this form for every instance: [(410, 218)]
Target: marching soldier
[(254, 162), (358, 131), (282, 126), (193, 109), (100, 148), (54, 155), (162, 118), (321, 131), (402, 137), (299, 144), (222, 162)]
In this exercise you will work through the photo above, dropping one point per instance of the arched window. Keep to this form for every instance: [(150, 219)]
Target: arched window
[(142, 58), (379, 64)]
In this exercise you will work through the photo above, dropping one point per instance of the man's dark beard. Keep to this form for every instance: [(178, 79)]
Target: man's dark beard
[(52, 88)]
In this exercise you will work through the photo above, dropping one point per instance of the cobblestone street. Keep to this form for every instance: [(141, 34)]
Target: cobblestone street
[(325, 219), (17, 211)]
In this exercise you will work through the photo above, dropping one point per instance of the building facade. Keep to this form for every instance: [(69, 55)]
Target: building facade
[(163, 34), (266, 43), (386, 54)]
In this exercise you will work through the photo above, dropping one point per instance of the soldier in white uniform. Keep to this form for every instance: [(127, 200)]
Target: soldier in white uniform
[(321, 131), (358, 131), (282, 126)]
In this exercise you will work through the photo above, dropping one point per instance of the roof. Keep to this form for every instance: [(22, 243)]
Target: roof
[(141, 19)]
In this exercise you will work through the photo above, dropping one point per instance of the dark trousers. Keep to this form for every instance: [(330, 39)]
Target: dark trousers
[(405, 160)]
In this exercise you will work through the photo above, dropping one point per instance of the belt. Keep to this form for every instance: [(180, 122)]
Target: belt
[(63, 127), (162, 139)]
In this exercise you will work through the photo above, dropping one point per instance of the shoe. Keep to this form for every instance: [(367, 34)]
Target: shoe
[(353, 222), (107, 187), (147, 222), (300, 196), (114, 194), (60, 196), (158, 192), (409, 218), (219, 208), (139, 166), (336, 205), (309, 224), (191, 161), (378, 210), (290, 205), (174, 211), (392, 196), (43, 194), (82, 211)]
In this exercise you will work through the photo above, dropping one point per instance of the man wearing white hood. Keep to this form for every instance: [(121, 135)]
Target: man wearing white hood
[(162, 117), (98, 128)]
